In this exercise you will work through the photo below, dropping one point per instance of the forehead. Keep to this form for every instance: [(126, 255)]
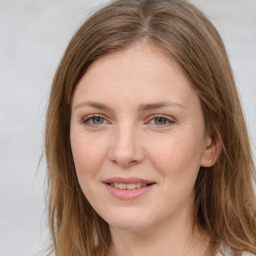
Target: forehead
[(142, 57), (140, 72)]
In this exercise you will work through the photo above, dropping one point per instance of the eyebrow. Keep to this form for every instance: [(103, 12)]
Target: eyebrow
[(153, 106), (141, 108), (93, 104)]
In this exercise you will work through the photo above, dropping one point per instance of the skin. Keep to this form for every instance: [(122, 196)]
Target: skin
[(130, 136)]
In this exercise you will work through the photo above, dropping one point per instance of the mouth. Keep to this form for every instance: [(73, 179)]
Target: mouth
[(128, 183), (129, 186)]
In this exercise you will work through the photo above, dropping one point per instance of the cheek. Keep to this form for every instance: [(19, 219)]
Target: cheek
[(177, 155), (87, 155)]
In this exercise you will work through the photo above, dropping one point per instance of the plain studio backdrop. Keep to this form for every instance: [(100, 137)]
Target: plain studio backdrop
[(33, 37)]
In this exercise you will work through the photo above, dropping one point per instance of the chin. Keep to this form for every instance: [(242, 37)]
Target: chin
[(129, 222), (129, 226)]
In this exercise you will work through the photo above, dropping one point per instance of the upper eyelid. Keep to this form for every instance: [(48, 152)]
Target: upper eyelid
[(163, 116), (171, 119), (88, 117), (93, 115)]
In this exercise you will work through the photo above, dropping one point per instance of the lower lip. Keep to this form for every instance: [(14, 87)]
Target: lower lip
[(128, 194)]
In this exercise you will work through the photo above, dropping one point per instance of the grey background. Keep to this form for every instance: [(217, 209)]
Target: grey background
[(33, 36)]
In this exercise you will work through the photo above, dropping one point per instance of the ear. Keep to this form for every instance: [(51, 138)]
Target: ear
[(211, 151)]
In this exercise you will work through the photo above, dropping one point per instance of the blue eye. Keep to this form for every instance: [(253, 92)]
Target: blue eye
[(161, 121), (94, 120), (97, 120)]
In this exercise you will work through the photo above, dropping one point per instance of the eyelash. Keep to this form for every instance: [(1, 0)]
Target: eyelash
[(89, 120), (168, 121)]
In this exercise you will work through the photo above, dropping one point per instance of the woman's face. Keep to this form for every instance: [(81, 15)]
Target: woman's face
[(138, 139)]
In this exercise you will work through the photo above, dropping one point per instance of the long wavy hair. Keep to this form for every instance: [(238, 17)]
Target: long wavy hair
[(224, 204)]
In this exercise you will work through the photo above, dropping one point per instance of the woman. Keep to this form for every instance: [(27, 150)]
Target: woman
[(146, 145)]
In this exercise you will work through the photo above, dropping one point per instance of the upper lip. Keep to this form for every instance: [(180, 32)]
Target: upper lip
[(129, 180)]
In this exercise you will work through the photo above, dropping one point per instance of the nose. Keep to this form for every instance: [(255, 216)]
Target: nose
[(126, 147)]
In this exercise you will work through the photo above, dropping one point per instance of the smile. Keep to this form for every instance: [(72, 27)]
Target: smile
[(128, 186)]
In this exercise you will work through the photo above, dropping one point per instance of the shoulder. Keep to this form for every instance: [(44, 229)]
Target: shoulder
[(226, 251), (244, 254)]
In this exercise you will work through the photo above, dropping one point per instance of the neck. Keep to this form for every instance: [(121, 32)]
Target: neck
[(167, 239)]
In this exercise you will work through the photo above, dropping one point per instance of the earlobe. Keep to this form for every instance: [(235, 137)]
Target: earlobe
[(211, 151)]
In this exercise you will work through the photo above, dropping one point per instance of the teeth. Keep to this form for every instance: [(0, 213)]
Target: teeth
[(128, 186), (131, 186), (122, 186)]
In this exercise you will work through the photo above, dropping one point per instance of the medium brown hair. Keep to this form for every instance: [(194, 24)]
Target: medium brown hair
[(225, 200)]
